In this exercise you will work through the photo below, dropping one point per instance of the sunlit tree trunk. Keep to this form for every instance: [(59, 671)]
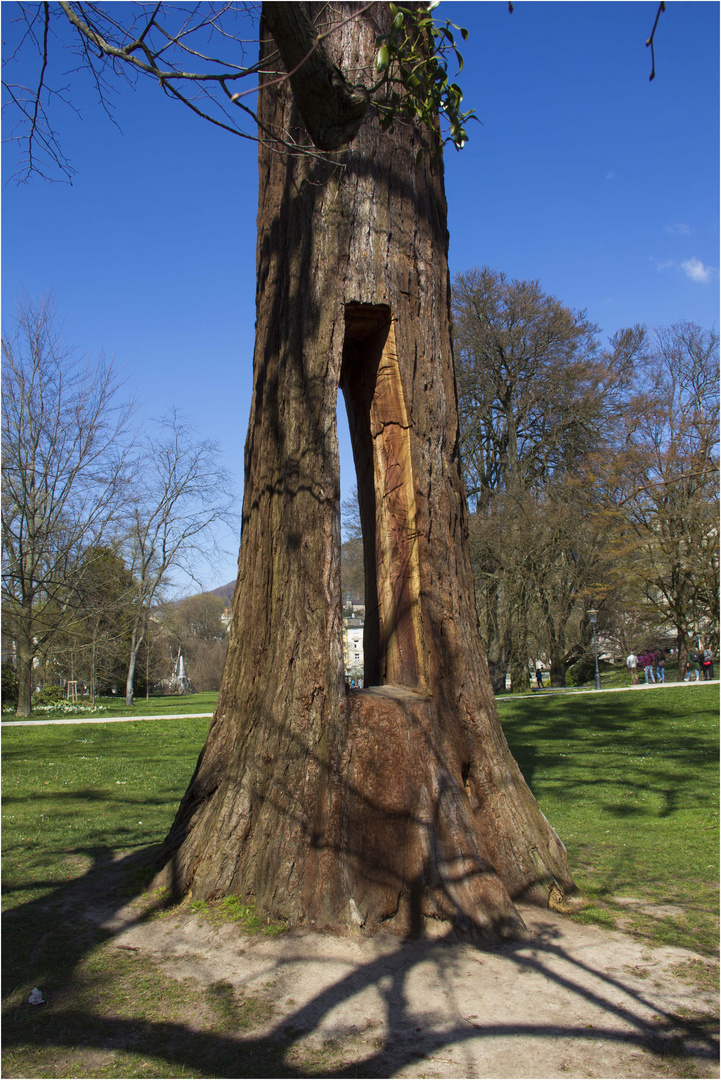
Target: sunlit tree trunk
[(140, 629), (401, 802)]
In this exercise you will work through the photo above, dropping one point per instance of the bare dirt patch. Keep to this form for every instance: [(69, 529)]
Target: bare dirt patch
[(658, 911), (574, 1001)]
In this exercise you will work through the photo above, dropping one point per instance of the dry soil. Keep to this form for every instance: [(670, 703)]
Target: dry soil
[(574, 1001)]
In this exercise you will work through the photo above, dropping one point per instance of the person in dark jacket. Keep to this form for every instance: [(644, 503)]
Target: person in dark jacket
[(692, 672), (707, 664), (660, 666)]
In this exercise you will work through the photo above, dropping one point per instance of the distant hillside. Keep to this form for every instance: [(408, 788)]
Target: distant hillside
[(352, 578), (225, 591)]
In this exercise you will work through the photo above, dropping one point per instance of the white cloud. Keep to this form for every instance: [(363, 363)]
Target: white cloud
[(679, 230), (696, 270), (611, 176), (664, 265)]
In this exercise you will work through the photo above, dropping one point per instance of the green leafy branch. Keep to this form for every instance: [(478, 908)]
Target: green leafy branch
[(414, 82)]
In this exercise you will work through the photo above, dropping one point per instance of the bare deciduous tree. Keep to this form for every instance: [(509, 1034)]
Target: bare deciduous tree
[(64, 472), (180, 493), (665, 469), (351, 557), (537, 399), (534, 385)]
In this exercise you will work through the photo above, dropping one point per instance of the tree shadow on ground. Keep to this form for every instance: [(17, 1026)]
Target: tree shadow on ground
[(608, 740), (48, 942)]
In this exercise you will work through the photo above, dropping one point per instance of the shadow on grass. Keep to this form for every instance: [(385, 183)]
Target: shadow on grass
[(609, 736), (48, 943), (87, 796)]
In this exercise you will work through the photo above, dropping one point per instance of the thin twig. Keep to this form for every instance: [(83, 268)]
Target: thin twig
[(661, 7), (150, 68), (33, 126)]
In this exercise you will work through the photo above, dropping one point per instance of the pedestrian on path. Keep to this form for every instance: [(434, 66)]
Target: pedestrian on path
[(661, 666), (647, 661), (692, 672), (632, 665), (707, 662)]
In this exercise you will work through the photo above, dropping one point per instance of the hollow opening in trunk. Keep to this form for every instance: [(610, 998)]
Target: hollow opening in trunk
[(351, 557), (380, 437)]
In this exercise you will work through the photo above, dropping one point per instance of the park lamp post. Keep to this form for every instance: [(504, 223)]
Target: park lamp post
[(592, 617)]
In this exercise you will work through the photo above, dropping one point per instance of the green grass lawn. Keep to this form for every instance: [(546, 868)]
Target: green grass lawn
[(76, 793), (628, 780), (76, 800), (155, 705), (615, 675), (630, 783), (161, 705)]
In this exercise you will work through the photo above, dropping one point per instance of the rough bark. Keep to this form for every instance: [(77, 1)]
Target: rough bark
[(25, 654), (682, 651), (558, 670), (401, 802), (332, 110)]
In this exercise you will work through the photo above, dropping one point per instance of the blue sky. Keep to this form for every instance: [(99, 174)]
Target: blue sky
[(582, 174)]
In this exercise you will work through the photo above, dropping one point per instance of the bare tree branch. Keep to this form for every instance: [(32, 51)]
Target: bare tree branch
[(158, 44), (649, 42), (334, 116), (181, 494)]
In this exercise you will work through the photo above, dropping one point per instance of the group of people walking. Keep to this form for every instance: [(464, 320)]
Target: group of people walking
[(699, 664), (653, 665), (649, 661)]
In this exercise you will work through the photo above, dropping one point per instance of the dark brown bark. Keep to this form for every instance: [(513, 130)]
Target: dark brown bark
[(24, 659), (682, 652), (558, 671), (332, 110), (401, 802)]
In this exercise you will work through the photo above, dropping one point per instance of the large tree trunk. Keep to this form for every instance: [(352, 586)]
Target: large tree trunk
[(558, 669), (24, 656), (140, 628), (556, 636), (130, 677), (682, 651), (401, 802)]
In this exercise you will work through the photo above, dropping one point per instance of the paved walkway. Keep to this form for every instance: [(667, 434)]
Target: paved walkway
[(505, 697), (547, 691), (107, 719)]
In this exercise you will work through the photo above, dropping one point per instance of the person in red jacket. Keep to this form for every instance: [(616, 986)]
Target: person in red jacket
[(647, 662)]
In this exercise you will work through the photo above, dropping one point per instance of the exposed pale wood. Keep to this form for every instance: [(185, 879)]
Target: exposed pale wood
[(402, 639)]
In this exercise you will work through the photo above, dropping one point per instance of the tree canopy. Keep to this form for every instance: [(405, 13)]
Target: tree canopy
[(591, 471)]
